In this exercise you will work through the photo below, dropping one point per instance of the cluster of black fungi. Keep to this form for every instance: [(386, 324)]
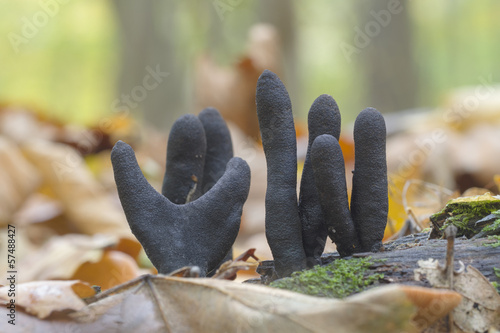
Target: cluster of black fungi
[(196, 218)]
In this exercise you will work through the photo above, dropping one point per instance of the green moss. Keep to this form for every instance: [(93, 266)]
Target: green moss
[(338, 279), (476, 208), (461, 221), (497, 274), (495, 244), (495, 225), (465, 212)]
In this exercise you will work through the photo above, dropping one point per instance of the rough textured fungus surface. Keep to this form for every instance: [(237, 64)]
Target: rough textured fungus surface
[(323, 118), (283, 226), (329, 174), (186, 151), (195, 220), (369, 201), (296, 233)]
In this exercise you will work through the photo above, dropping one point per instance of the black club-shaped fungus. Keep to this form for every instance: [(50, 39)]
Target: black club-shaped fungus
[(369, 201), (296, 233), (329, 174), (323, 118), (283, 226)]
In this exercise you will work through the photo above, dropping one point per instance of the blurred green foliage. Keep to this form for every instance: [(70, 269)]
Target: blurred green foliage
[(69, 68)]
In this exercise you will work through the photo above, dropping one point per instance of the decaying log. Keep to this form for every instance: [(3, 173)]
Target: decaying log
[(399, 258)]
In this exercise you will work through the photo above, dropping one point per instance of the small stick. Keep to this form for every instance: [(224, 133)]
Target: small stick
[(450, 234)]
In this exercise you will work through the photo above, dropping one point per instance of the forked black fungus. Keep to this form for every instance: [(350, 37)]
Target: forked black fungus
[(369, 201), (323, 118), (202, 231), (283, 226)]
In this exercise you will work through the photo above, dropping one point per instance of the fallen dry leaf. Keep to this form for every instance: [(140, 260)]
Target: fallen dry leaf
[(84, 200), (171, 304), (228, 270), (480, 306), (114, 268), (232, 90), (42, 298), (94, 259), (18, 178), (38, 208), (475, 191)]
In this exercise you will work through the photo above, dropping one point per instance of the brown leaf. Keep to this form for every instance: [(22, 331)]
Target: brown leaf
[(84, 200), (42, 298), (18, 178), (480, 306), (170, 304), (232, 90), (112, 269), (228, 270), (88, 258), (475, 191)]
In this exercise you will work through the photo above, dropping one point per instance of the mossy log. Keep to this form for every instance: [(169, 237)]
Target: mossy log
[(400, 258)]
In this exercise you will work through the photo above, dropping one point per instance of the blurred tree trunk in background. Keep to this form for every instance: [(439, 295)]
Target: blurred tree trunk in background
[(147, 35), (388, 63), (171, 35), (281, 14)]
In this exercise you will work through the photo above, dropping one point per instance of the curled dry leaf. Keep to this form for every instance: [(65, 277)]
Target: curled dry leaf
[(112, 269), (187, 271), (42, 298), (98, 259), (480, 306), (84, 200), (228, 270), (171, 304)]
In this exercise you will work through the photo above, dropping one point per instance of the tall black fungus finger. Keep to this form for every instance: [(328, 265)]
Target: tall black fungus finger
[(329, 176), (219, 147), (283, 227), (369, 201), (323, 118), (219, 152), (199, 233), (186, 150)]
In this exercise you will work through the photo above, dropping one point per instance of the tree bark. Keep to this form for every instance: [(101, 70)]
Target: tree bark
[(391, 77)]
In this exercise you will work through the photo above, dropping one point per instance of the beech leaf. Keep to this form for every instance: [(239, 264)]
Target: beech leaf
[(171, 304)]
